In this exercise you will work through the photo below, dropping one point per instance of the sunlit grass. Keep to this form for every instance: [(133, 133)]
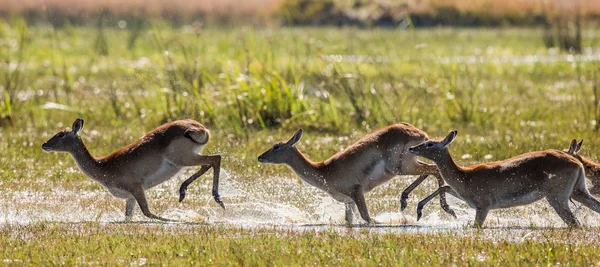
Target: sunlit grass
[(138, 244)]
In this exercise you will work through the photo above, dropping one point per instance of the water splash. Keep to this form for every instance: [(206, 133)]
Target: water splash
[(278, 202)]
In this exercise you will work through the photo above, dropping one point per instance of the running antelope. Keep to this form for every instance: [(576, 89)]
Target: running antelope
[(592, 169), (373, 160), (147, 162), (517, 181)]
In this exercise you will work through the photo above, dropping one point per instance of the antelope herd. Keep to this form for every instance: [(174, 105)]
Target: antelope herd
[(556, 175)]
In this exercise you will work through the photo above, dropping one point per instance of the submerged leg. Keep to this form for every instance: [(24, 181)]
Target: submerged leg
[(480, 215), (129, 206), (349, 213)]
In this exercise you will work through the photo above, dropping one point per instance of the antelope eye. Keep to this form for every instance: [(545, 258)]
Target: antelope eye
[(61, 135), (429, 145), (276, 147)]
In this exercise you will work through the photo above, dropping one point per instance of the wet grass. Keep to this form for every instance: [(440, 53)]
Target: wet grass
[(502, 89)]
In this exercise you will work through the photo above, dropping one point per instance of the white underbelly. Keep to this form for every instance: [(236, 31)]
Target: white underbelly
[(518, 200), (118, 193), (166, 171), (377, 176), (340, 197)]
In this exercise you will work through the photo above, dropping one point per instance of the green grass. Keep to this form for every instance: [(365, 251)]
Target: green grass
[(132, 244), (246, 84), (255, 87)]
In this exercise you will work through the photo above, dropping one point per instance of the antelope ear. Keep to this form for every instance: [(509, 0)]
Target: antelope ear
[(449, 138), (572, 147), (578, 146), (295, 138), (77, 125)]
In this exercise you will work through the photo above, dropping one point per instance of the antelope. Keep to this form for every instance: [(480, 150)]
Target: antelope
[(516, 181), (592, 169), (371, 161), (151, 160)]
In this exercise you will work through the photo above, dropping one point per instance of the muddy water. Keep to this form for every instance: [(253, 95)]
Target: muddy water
[(278, 202)]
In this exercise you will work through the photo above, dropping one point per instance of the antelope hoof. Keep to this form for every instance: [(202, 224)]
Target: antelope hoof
[(218, 200), (403, 203), (182, 193), (449, 210), (419, 212)]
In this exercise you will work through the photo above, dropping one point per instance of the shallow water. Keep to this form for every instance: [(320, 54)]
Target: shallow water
[(279, 203), (588, 56)]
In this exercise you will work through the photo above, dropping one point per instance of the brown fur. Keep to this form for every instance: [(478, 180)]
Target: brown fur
[(517, 181), (154, 158), (371, 161), (592, 171)]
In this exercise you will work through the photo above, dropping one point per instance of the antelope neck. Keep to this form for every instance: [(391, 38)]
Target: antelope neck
[(308, 170), (450, 171), (86, 162)]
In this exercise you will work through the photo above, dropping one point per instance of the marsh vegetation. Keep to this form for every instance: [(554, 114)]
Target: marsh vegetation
[(503, 89)]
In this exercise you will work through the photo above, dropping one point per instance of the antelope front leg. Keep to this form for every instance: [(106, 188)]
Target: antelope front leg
[(213, 161), (443, 201), (190, 180), (422, 203), (409, 189), (430, 169), (216, 161)]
